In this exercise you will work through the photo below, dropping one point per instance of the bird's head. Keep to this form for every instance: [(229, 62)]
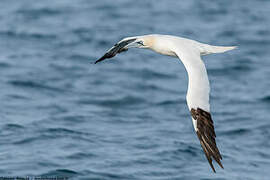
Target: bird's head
[(143, 42), (125, 44)]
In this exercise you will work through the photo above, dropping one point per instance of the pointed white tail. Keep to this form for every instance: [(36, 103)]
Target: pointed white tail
[(208, 49)]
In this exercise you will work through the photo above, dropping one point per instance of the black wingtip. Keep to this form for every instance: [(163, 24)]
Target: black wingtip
[(214, 170)]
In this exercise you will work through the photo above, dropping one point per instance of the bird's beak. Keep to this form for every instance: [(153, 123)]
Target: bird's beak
[(102, 58), (118, 48), (133, 45)]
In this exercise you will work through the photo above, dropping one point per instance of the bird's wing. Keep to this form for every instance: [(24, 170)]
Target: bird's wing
[(206, 134), (198, 103), (117, 48)]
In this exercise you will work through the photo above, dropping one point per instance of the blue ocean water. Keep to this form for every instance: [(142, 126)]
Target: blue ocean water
[(127, 118)]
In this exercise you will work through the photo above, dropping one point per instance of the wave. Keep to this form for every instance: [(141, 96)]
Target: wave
[(63, 131), (4, 65), (29, 140), (32, 84), (239, 131), (81, 155), (13, 127), (265, 98), (60, 173), (119, 102), (27, 35), (37, 13), (148, 73)]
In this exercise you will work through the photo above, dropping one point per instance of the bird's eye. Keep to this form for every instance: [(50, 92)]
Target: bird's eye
[(140, 42)]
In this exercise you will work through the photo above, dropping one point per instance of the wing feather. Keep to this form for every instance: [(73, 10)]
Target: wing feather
[(206, 134)]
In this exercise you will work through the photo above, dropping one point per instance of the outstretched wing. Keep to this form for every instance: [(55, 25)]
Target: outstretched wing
[(198, 102), (207, 136), (117, 48)]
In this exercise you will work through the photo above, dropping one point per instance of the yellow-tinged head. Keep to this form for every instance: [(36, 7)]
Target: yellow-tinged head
[(146, 41)]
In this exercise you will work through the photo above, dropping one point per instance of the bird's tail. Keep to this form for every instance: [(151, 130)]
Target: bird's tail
[(208, 49)]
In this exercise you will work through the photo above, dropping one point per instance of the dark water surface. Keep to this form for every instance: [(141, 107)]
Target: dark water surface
[(127, 118)]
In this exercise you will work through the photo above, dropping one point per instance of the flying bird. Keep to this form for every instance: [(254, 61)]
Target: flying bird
[(189, 52)]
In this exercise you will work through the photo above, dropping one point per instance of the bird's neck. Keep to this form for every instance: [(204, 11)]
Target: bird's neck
[(161, 45)]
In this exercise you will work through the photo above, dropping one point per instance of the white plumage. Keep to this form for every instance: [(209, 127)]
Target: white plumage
[(189, 52)]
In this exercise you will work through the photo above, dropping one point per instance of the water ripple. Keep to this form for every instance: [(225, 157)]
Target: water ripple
[(26, 35), (60, 173), (33, 85)]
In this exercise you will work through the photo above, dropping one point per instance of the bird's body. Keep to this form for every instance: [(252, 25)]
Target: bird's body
[(189, 52)]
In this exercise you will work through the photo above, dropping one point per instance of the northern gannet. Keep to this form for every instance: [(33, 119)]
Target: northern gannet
[(189, 52)]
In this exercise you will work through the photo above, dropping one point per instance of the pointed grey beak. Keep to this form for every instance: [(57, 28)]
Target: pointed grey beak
[(117, 48)]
